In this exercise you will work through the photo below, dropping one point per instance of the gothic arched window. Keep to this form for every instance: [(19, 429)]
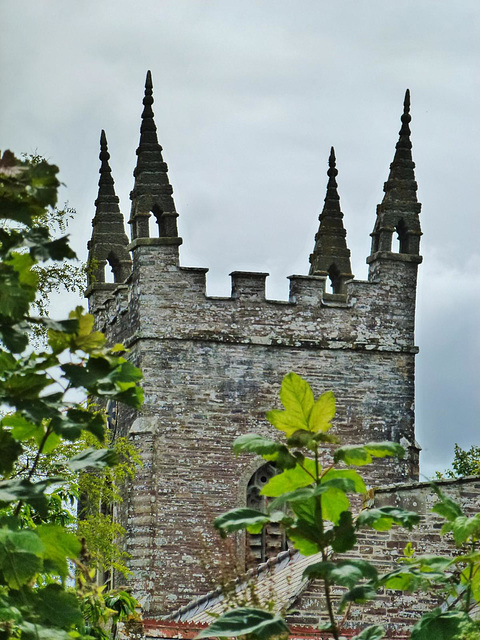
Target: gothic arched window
[(271, 541)]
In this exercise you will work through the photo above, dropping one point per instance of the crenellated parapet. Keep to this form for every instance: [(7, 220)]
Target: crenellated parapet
[(172, 303)]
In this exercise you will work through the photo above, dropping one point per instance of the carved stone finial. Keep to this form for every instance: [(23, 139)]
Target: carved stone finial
[(152, 192), (399, 209), (109, 241), (331, 256)]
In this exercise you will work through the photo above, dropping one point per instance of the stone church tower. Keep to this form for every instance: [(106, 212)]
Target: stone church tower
[(213, 366)]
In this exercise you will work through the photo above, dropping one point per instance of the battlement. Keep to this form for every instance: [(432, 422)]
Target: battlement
[(162, 300)]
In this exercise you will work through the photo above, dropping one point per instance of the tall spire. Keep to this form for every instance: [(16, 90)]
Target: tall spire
[(331, 256), (109, 241), (399, 209), (152, 192)]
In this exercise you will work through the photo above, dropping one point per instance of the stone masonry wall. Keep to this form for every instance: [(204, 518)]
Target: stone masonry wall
[(396, 609), (213, 367)]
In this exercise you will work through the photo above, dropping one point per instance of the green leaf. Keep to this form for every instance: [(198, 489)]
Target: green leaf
[(58, 607), (345, 572), (322, 412), (446, 507), (359, 594), (305, 493), (242, 518), (360, 455), (440, 625), (349, 474), (268, 449), (306, 537), (32, 631), (464, 528), (20, 556), (375, 632), (343, 533), (31, 492), (383, 518), (10, 450), (242, 621), (93, 458), (59, 546), (334, 501), (290, 479), (297, 398)]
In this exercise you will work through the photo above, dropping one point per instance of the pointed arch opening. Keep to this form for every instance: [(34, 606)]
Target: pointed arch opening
[(402, 236), (153, 224), (335, 278), (112, 268), (157, 214), (272, 540)]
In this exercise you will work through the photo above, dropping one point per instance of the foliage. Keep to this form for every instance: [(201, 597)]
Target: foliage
[(466, 462), (38, 389), (319, 520), (68, 275)]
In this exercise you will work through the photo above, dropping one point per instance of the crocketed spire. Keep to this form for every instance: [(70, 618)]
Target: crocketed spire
[(109, 241), (399, 209), (152, 192), (331, 256)]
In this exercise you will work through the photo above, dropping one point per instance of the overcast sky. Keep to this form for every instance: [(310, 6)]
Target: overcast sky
[(249, 97)]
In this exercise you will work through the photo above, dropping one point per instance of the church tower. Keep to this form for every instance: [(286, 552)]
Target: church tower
[(213, 366)]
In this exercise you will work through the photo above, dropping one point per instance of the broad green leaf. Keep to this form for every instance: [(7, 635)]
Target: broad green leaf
[(345, 572), (58, 607), (335, 502), (322, 413), (93, 458), (385, 449), (464, 528), (306, 493), (297, 398), (32, 631), (360, 455), (245, 621), (243, 518), (20, 556), (305, 537), (22, 429), (31, 492), (349, 474), (268, 449), (438, 625), (446, 507), (359, 594), (290, 479), (10, 450), (301, 438), (383, 518), (23, 541), (343, 536), (23, 263), (375, 632), (59, 546), (14, 337)]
